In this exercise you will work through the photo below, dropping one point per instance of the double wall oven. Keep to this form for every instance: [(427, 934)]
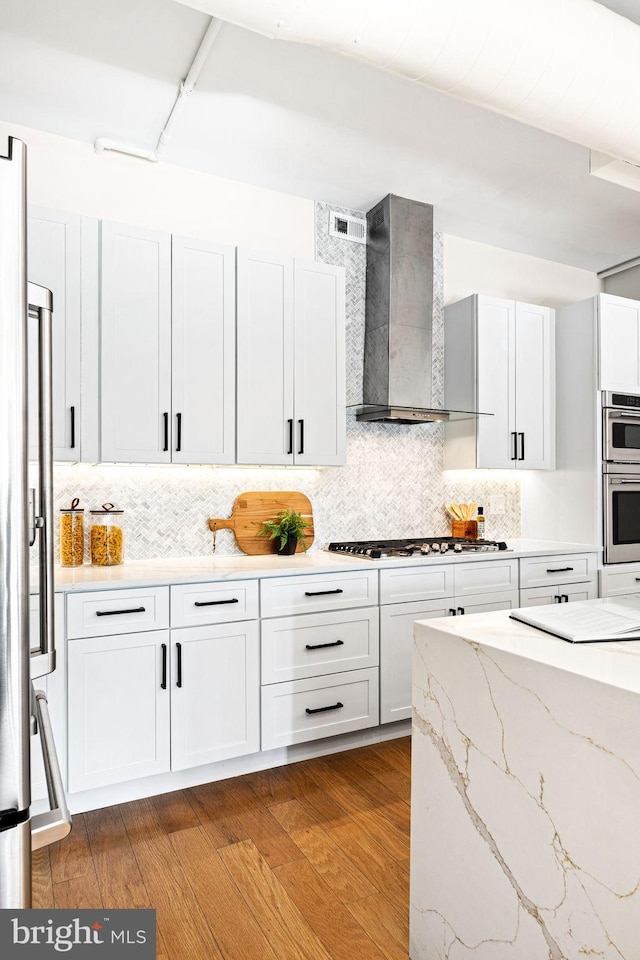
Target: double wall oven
[(621, 477)]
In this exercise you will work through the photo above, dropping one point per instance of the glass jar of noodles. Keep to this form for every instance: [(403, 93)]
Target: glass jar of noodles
[(72, 535), (107, 536)]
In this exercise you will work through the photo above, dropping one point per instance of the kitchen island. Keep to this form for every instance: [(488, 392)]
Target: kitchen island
[(526, 794)]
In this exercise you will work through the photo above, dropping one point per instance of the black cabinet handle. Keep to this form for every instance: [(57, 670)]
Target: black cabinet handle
[(452, 611), (321, 593), (179, 677), (213, 603), (560, 570), (565, 597), (163, 682), (514, 448), (321, 646), (178, 432), (290, 422), (72, 411), (116, 613), (521, 435), (557, 598), (301, 425), (461, 611), (637, 579), (334, 706), (165, 417)]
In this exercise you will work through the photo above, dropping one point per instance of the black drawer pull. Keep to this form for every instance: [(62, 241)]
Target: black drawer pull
[(321, 593), (179, 432), (561, 570), (521, 457), (290, 422), (514, 439), (334, 706), (73, 427), (452, 611), (637, 579), (213, 603), (461, 611), (321, 646), (565, 597), (163, 682), (557, 598), (165, 417), (301, 425), (179, 677), (116, 613)]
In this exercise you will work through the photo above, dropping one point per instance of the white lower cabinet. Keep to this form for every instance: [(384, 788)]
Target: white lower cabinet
[(118, 702), (558, 593), (215, 682), (396, 641), (618, 579), (319, 707)]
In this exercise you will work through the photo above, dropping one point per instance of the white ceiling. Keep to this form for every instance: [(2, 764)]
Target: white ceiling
[(307, 122)]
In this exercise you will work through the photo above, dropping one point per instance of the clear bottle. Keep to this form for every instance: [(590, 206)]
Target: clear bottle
[(72, 535), (480, 523), (107, 536)]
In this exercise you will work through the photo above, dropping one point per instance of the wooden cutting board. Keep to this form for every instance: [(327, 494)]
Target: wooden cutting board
[(251, 509)]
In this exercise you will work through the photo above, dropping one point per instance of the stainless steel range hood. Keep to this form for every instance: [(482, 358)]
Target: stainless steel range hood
[(398, 346)]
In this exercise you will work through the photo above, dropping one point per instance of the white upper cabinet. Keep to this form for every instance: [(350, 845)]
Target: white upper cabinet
[(291, 376), (500, 360), (619, 322), (135, 344), (265, 427), (203, 352), (55, 262)]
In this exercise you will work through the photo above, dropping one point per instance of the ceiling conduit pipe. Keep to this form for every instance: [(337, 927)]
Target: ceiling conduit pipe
[(185, 90), (569, 67)]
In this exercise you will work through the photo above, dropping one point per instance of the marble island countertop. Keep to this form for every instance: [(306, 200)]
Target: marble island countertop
[(144, 573), (525, 794)]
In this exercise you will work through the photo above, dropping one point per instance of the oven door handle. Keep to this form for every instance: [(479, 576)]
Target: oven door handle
[(613, 415)]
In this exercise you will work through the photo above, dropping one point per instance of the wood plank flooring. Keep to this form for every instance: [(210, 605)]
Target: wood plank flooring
[(303, 862)]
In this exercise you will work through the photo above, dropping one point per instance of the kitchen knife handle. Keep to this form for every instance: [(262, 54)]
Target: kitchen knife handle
[(163, 682), (179, 677)]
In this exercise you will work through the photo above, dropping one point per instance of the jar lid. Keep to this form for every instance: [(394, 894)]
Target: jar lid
[(74, 508), (107, 508)]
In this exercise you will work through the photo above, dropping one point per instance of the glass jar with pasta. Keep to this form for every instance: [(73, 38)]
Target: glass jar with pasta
[(107, 536), (72, 535)]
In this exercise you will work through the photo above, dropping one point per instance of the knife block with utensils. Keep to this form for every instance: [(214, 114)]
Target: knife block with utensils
[(464, 529)]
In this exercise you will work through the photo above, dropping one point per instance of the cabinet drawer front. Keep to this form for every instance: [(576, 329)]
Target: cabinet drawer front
[(489, 576), (408, 584), (281, 596), (573, 568), (614, 582), (318, 644), (543, 596), (194, 604), (117, 611), (339, 703)]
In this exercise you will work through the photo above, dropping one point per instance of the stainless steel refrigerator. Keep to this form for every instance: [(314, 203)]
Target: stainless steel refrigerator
[(24, 518)]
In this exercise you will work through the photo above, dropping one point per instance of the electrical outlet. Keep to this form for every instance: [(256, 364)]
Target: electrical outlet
[(497, 505)]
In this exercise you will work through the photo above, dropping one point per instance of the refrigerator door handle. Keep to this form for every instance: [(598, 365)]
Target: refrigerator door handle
[(40, 309), (55, 824)]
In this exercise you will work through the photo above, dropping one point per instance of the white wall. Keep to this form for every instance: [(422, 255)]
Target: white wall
[(66, 174), (471, 267)]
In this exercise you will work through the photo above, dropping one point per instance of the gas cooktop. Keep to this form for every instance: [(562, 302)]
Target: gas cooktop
[(420, 547)]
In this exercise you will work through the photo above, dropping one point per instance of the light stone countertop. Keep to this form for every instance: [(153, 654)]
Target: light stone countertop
[(145, 573)]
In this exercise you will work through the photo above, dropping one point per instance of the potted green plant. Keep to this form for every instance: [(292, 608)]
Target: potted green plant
[(288, 528)]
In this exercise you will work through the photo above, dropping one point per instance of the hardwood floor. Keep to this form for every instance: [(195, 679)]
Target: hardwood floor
[(303, 862)]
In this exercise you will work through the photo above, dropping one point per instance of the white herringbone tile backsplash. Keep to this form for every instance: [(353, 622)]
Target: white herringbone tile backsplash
[(393, 484)]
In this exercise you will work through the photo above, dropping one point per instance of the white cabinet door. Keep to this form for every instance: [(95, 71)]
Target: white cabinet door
[(492, 601), (619, 321), (215, 693), (54, 261), (319, 378), (396, 650), (203, 352), (534, 387), (496, 382), (135, 344), (265, 418), (118, 709), (558, 593)]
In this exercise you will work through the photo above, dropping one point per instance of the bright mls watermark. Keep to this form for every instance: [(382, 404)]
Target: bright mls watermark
[(101, 933)]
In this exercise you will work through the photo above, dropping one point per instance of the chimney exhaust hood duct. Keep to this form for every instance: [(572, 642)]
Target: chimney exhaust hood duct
[(398, 344)]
